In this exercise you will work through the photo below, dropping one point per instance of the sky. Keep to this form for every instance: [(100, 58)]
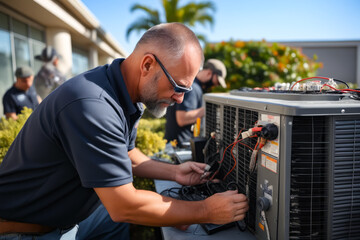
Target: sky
[(272, 20)]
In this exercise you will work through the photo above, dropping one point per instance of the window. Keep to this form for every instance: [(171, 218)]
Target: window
[(19, 44), (22, 52), (6, 70), (80, 61)]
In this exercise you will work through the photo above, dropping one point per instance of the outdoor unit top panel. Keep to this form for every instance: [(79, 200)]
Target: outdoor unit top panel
[(291, 95), (286, 105)]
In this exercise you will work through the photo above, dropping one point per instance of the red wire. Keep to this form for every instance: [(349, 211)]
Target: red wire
[(256, 129), (245, 144), (327, 85), (349, 90), (231, 152), (307, 79), (230, 145), (224, 154), (257, 143), (234, 144), (342, 90)]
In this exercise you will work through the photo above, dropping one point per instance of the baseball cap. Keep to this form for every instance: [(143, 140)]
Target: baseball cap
[(24, 72), (47, 54), (218, 68)]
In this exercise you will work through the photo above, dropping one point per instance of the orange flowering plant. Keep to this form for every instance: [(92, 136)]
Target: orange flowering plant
[(260, 64)]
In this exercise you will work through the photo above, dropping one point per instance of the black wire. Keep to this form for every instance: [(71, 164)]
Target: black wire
[(232, 183), (205, 149), (354, 95), (337, 80), (168, 192)]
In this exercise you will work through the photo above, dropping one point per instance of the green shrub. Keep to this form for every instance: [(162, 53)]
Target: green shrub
[(260, 64), (149, 140), (9, 129), (150, 136)]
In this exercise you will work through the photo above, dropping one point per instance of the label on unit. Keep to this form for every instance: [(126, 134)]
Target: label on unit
[(272, 147)]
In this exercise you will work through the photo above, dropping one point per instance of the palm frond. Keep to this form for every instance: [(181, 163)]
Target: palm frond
[(143, 23)]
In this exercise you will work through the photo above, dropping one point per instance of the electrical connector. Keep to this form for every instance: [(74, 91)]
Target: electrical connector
[(332, 83), (269, 131), (251, 132)]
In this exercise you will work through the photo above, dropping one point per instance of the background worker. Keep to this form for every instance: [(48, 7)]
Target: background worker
[(181, 117), (49, 77), (21, 94), (69, 172)]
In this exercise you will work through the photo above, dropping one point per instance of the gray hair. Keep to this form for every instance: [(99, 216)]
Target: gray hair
[(171, 38)]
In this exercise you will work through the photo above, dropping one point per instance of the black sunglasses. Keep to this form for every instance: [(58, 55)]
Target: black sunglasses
[(177, 88)]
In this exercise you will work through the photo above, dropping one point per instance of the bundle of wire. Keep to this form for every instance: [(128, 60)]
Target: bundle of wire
[(356, 92)]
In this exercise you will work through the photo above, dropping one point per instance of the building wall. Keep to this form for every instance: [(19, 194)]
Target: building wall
[(27, 26), (338, 62), (341, 59)]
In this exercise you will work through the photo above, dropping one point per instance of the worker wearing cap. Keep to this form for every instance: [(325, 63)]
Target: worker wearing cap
[(181, 117), (21, 94), (49, 77)]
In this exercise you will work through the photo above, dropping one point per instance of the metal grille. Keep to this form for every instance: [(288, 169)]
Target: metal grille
[(346, 208), (229, 136), (213, 118), (309, 179), (246, 120)]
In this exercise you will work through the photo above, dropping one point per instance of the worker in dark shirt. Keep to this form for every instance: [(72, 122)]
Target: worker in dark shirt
[(21, 94), (180, 118), (49, 77)]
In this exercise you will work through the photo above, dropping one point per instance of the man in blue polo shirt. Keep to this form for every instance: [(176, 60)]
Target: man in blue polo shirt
[(21, 94), (69, 172), (180, 118)]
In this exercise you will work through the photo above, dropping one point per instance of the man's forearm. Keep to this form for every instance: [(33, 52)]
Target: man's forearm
[(127, 204), (156, 210), (186, 118)]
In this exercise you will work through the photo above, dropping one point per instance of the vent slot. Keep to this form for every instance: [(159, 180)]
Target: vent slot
[(346, 201), (213, 118), (309, 178), (246, 120), (229, 136)]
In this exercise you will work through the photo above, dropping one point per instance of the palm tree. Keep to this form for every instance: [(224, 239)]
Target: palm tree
[(189, 14)]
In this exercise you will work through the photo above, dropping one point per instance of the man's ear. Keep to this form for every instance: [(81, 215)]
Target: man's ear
[(147, 64)]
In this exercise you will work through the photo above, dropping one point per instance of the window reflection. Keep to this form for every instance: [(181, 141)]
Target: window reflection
[(6, 71), (80, 61), (22, 55)]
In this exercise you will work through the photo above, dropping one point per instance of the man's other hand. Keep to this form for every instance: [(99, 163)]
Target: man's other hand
[(189, 173)]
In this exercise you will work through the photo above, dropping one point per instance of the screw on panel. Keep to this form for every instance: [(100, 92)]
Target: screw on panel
[(342, 110)]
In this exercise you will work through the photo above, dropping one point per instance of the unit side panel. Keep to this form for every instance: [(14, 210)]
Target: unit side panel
[(346, 179)]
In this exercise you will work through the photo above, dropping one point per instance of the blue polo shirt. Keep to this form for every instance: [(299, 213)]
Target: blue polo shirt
[(192, 100), (15, 100), (77, 139)]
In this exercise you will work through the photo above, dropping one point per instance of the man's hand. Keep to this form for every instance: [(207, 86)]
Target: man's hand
[(226, 207), (189, 173)]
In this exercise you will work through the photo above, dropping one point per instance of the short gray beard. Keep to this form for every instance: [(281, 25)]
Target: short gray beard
[(148, 97)]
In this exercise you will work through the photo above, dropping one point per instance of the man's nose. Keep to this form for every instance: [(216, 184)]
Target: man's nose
[(178, 97)]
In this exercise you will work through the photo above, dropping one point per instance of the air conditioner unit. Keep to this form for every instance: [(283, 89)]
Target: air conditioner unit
[(310, 174)]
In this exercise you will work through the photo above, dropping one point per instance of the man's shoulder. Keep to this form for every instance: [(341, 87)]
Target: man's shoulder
[(49, 70), (197, 88), (86, 86), (11, 91), (196, 93)]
